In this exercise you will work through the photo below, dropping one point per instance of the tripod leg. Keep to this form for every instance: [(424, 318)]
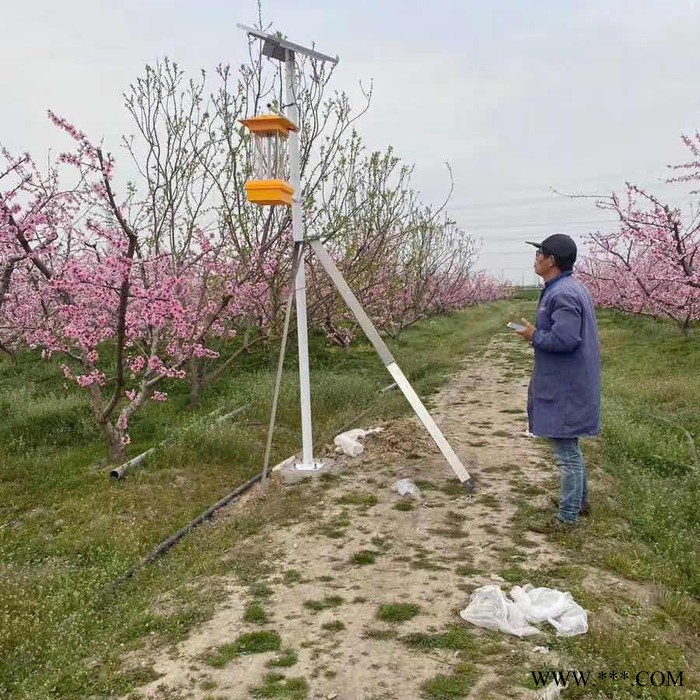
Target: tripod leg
[(388, 359), (297, 258)]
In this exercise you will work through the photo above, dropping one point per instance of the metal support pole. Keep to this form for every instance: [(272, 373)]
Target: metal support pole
[(281, 49), (390, 363), (300, 286)]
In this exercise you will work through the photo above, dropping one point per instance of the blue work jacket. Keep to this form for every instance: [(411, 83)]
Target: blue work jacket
[(564, 393)]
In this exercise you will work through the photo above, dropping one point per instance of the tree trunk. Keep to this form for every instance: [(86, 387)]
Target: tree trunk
[(117, 449), (12, 354), (196, 391), (196, 382), (113, 437)]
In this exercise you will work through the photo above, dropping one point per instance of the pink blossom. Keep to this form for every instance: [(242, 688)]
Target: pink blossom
[(123, 421), (87, 380)]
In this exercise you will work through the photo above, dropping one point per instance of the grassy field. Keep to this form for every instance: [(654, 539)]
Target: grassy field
[(646, 493), (67, 532)]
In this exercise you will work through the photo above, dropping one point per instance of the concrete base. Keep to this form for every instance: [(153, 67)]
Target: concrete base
[(291, 475)]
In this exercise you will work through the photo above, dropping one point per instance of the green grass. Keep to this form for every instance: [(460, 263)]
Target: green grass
[(489, 500), (250, 643), (527, 293), (333, 626), (364, 557), (425, 485), (516, 574), (642, 646), (255, 613), (454, 488), (645, 525), (403, 505), (67, 532), (651, 389), (397, 612), (378, 634), (277, 685), (285, 659), (359, 498), (463, 646), (456, 685), (330, 601), (455, 637), (291, 576)]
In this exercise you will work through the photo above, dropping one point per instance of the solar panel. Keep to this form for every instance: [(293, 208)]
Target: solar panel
[(277, 48)]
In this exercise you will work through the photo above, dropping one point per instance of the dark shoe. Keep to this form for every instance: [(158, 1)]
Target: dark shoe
[(553, 526), (585, 508)]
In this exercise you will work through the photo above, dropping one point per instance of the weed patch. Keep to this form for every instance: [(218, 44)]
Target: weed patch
[(250, 643), (455, 637), (331, 601), (364, 557), (334, 626), (358, 498), (397, 612), (457, 685), (277, 685), (286, 659), (255, 613)]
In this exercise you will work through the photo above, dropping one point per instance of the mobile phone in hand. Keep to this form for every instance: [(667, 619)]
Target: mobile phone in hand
[(516, 327)]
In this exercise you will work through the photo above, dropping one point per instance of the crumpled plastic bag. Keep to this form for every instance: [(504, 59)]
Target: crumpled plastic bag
[(348, 442), (572, 622), (539, 604), (489, 607), (406, 486), (557, 607)]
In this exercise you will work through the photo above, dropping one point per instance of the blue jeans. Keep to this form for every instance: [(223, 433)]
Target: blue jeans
[(574, 478)]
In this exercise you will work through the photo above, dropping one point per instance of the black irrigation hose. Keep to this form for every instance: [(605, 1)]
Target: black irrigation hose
[(166, 544)]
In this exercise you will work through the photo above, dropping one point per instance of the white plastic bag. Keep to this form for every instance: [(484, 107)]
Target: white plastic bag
[(406, 486), (574, 621), (540, 604), (348, 442), (348, 445), (557, 607), (489, 608)]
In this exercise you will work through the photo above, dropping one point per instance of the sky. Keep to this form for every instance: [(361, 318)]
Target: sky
[(523, 98)]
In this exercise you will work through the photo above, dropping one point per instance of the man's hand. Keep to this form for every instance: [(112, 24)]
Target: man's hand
[(528, 332)]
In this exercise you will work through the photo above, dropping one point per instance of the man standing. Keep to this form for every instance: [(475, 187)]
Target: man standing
[(564, 394)]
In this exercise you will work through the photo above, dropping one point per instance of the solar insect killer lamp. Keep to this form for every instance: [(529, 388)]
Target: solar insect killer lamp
[(272, 134), (269, 185)]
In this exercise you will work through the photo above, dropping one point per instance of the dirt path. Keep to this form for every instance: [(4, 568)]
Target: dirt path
[(361, 547)]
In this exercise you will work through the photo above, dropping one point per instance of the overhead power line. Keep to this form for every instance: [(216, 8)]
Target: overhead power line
[(538, 224)]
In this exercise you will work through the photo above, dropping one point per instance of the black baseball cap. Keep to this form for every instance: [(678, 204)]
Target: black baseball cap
[(561, 246)]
